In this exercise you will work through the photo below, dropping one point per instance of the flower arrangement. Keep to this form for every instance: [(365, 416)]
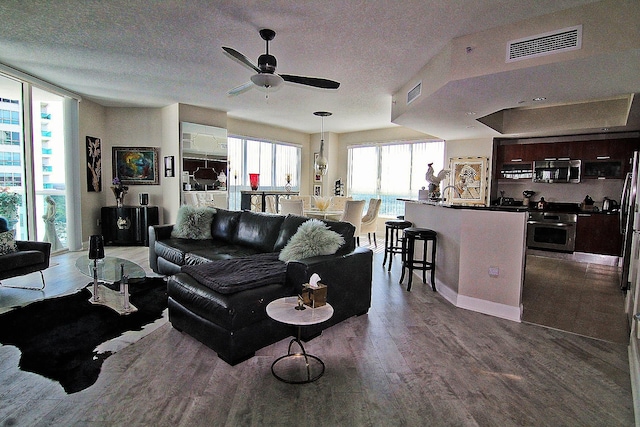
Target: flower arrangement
[(119, 190)]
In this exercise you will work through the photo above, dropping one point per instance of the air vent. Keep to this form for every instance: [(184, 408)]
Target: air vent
[(557, 41), (414, 93)]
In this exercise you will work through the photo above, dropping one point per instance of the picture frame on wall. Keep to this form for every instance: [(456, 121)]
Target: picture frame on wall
[(136, 165), (469, 177), (317, 190), (94, 164)]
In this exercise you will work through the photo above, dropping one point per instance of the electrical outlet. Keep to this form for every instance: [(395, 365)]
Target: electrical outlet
[(494, 271)]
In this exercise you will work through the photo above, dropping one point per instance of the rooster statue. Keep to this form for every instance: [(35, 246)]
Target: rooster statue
[(434, 180)]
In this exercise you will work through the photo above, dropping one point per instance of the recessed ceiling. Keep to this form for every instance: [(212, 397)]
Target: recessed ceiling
[(156, 53)]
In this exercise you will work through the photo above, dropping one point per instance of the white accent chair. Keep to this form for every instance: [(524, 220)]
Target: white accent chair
[(370, 220), (353, 214), (306, 201)]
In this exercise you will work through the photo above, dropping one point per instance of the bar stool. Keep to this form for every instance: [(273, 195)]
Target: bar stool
[(392, 238), (412, 234)]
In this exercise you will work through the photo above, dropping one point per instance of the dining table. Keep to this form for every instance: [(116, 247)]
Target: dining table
[(323, 214)]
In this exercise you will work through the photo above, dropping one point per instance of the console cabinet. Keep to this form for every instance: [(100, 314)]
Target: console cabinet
[(128, 225)]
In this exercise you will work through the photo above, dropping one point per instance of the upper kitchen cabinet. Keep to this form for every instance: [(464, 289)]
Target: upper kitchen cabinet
[(513, 162), (602, 157)]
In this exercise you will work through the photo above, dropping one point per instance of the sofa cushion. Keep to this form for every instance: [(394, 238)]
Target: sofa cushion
[(193, 222), (288, 228), (7, 244), (20, 259), (346, 230), (225, 224), (175, 250), (258, 230), (239, 274), (313, 238), (231, 312), (216, 252)]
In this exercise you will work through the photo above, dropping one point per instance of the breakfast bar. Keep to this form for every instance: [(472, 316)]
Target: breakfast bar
[(480, 255)]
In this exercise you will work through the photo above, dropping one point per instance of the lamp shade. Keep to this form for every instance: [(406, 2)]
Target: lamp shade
[(96, 247)]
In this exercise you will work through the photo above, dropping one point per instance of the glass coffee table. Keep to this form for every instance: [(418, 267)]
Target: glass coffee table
[(288, 368), (112, 272)]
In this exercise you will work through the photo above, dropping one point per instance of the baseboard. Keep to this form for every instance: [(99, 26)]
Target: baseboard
[(634, 372), (481, 306), (491, 308)]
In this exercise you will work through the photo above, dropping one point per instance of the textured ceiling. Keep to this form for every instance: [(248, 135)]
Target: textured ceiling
[(155, 53)]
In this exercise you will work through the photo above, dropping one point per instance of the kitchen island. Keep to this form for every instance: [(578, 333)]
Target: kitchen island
[(480, 255)]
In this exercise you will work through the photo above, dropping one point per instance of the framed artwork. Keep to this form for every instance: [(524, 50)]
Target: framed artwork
[(94, 164), (136, 165), (317, 190), (469, 177)]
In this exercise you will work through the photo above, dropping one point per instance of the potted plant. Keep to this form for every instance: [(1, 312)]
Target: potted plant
[(9, 203)]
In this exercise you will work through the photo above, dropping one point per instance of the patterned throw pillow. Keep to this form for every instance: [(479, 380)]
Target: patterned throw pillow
[(193, 223), (7, 243), (312, 238)]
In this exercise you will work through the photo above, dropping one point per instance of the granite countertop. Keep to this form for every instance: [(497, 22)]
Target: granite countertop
[(497, 207)]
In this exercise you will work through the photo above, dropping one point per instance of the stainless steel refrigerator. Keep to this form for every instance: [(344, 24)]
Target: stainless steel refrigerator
[(630, 226)]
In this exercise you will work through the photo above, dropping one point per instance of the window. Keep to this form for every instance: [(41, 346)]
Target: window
[(392, 171), (34, 168), (274, 161)]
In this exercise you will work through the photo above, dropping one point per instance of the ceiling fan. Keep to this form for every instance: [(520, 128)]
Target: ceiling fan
[(266, 76)]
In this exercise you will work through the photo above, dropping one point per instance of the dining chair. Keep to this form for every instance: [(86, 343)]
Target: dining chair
[(370, 220), (338, 202), (353, 214), (294, 207), (270, 202), (305, 199)]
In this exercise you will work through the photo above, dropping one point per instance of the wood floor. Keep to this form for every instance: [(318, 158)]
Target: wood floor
[(414, 360)]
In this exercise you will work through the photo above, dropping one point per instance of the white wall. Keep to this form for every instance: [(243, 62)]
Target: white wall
[(91, 123)]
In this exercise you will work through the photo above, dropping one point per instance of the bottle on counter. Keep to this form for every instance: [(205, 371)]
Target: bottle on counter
[(542, 203)]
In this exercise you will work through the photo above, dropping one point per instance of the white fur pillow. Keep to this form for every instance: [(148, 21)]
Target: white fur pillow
[(312, 238), (193, 223)]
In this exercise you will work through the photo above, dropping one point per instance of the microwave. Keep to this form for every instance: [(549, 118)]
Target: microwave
[(556, 171)]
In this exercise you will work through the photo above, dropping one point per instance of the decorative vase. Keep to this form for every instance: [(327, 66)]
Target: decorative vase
[(119, 193), (254, 180)]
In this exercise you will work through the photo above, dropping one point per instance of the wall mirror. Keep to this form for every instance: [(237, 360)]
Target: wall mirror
[(204, 165)]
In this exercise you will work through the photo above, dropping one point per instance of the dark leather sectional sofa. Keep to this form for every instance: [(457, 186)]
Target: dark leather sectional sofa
[(235, 325)]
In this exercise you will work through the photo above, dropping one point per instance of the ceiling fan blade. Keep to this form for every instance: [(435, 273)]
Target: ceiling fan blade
[(311, 81), (240, 89), (240, 57)]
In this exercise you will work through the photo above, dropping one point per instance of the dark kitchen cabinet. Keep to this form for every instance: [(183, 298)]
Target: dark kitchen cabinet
[(128, 225), (598, 233)]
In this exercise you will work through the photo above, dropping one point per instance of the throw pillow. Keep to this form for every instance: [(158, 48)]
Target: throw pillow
[(193, 222), (7, 243), (312, 238)]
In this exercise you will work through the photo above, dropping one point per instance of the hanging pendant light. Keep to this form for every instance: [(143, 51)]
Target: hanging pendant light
[(321, 162)]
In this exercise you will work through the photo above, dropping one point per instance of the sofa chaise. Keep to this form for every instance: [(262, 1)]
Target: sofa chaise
[(232, 319)]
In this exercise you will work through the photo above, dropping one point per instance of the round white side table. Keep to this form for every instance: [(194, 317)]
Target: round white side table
[(284, 310)]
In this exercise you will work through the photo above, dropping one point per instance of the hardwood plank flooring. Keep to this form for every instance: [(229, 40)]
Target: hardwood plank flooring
[(413, 360)]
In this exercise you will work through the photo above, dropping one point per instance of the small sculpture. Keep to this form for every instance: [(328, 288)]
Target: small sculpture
[(434, 180)]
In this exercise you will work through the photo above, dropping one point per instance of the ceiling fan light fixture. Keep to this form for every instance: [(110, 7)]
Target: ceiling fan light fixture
[(267, 80)]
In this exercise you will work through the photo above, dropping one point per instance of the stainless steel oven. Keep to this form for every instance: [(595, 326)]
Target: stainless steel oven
[(552, 231)]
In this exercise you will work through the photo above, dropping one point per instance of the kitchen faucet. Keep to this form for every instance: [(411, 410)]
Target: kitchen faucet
[(454, 189)]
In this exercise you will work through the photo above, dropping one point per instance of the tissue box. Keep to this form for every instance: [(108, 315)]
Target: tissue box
[(314, 297)]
